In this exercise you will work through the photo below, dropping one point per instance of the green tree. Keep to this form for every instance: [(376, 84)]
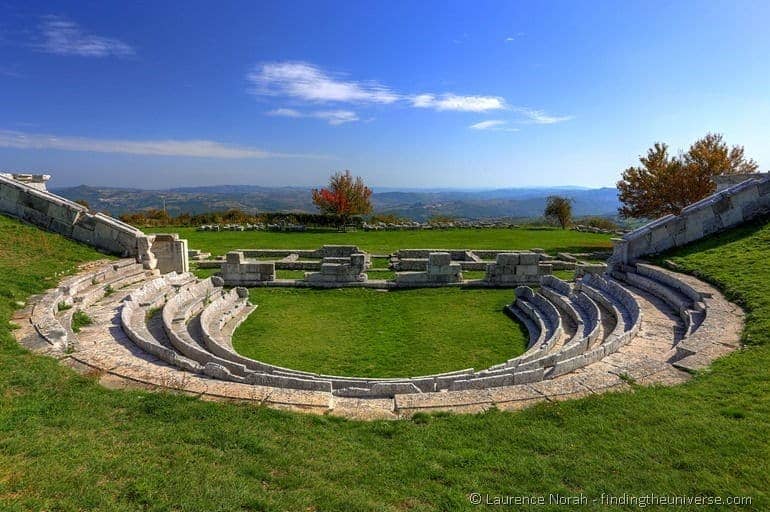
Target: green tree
[(559, 209)]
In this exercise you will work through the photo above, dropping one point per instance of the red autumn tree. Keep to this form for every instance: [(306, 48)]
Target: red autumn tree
[(346, 196)]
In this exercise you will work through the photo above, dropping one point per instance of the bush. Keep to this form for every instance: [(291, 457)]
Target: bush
[(601, 223)]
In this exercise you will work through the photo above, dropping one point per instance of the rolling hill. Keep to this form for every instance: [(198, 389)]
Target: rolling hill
[(414, 204)]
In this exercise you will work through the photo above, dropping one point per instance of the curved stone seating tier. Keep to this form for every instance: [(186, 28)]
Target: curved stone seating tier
[(80, 291), (174, 331), (681, 297), (181, 316), (134, 317)]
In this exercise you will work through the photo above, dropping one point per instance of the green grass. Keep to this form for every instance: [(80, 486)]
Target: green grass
[(202, 273), (68, 444), (79, 320), (565, 275), (380, 263), (374, 333), (290, 274), (384, 242)]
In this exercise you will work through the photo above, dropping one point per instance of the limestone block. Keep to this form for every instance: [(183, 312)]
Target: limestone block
[(234, 258), (528, 258), (508, 259), (526, 270), (358, 260), (732, 216), (438, 259)]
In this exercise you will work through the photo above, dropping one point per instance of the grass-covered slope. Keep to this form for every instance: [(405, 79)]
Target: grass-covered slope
[(68, 444), (375, 333), (383, 242)]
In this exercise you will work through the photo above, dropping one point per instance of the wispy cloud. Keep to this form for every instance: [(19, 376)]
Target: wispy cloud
[(486, 125), (303, 83), (540, 117), (189, 148), (458, 103), (307, 82), (62, 36), (333, 117), (493, 125), (285, 112), (514, 37), (336, 117)]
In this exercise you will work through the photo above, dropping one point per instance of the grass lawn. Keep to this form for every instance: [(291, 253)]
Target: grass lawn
[(384, 242), (374, 333), (67, 444)]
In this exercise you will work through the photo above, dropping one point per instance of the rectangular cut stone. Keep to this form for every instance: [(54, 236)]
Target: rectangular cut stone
[(507, 259), (529, 258), (439, 259), (526, 270)]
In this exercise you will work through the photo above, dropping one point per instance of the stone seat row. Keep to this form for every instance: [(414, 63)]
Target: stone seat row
[(199, 319), (553, 352), (80, 291), (188, 323), (698, 342)]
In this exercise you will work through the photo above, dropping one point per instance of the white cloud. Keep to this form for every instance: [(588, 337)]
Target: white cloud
[(493, 125), (514, 37), (540, 117), (333, 117), (285, 112), (307, 82), (486, 125), (304, 82), (64, 37), (336, 117), (458, 103), (190, 148)]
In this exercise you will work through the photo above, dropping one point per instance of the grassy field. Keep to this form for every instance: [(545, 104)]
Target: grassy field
[(384, 242), (67, 444), (375, 333)]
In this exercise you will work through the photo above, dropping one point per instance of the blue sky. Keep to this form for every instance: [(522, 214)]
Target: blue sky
[(413, 94)]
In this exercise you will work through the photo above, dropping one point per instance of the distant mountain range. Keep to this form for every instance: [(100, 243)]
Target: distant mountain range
[(514, 203)]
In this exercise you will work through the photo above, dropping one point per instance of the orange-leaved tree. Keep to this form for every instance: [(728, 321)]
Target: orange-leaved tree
[(664, 184), (346, 196)]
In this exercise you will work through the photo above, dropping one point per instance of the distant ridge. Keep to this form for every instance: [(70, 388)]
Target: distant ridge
[(517, 203)]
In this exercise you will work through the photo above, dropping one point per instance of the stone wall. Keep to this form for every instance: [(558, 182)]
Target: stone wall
[(729, 207), (25, 197), (336, 270), (440, 270), (516, 268), (728, 180), (237, 270), (170, 252)]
